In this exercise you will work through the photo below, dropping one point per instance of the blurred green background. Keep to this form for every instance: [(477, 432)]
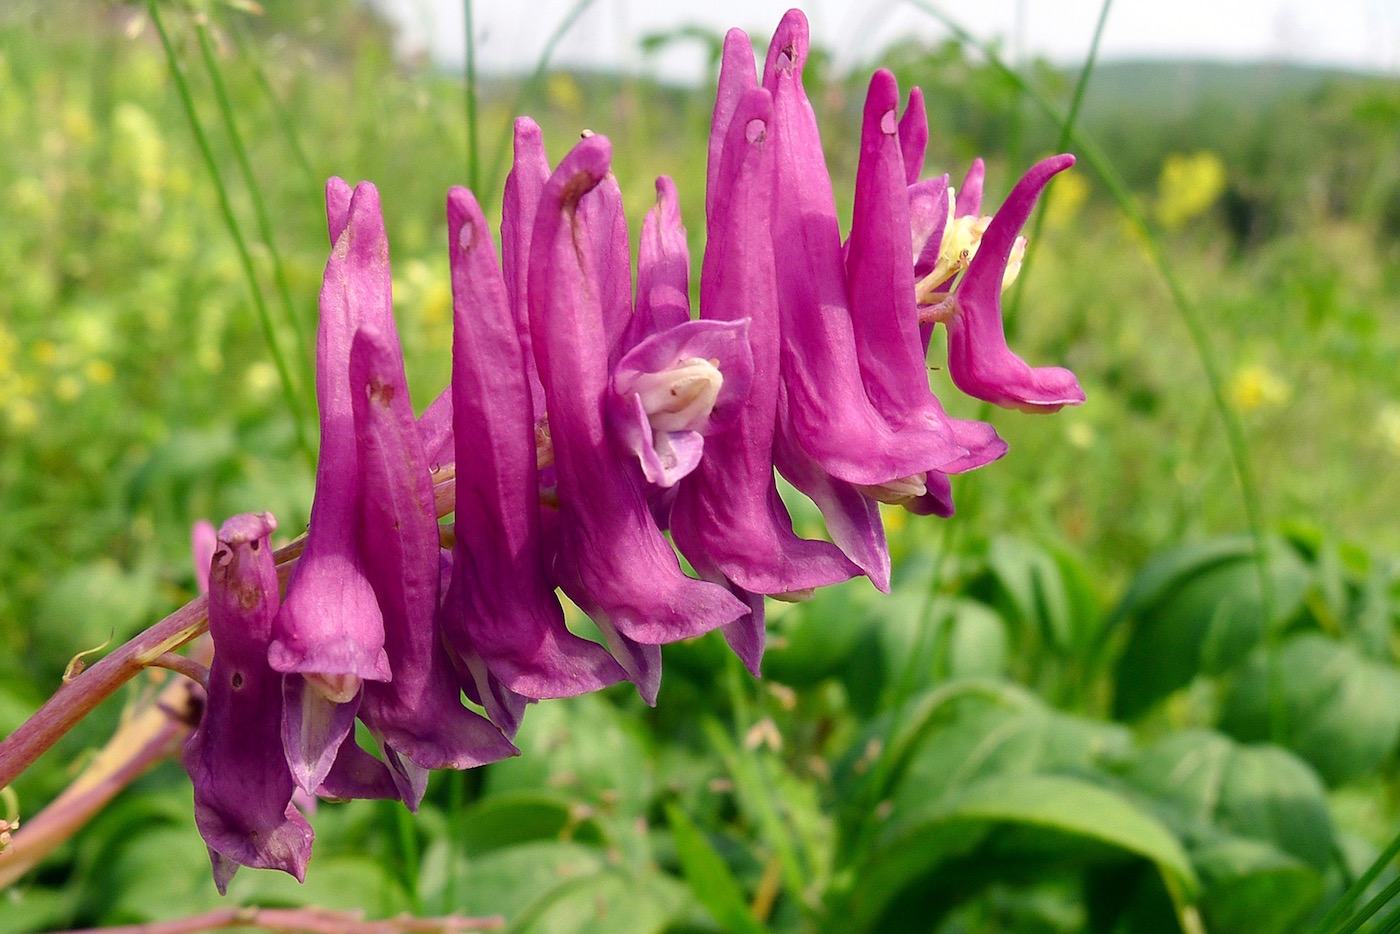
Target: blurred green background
[(1080, 709)]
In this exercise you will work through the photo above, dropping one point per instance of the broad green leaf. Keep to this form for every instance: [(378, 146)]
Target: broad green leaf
[(1031, 579), (510, 818), (1202, 783), (811, 641), (516, 879), (1341, 711), (977, 643), (1253, 888), (607, 902), (581, 747), (1202, 619), (713, 885), (915, 841), (35, 909)]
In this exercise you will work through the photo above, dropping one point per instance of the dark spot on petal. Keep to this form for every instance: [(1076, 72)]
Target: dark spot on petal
[(237, 680)]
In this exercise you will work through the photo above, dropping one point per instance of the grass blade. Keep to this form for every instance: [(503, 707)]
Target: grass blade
[(1338, 911), (473, 159), (710, 879), (1066, 132), (250, 181), (226, 208)]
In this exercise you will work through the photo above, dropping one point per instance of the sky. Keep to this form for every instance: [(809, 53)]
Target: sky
[(1357, 34)]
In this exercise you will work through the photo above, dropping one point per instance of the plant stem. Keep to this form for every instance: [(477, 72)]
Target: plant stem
[(1066, 134), (250, 181), (231, 221), (303, 921), (473, 159)]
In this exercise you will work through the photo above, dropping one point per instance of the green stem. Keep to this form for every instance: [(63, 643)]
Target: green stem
[(226, 208), (1066, 131), (315, 180), (245, 166), (473, 158)]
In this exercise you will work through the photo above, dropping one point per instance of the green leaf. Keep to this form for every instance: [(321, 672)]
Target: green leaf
[(917, 840), (978, 645), (35, 909), (608, 902), (1253, 888), (713, 885), (581, 747), (510, 818), (1031, 579), (516, 879), (1197, 616), (1341, 710), (1202, 783), (811, 641)]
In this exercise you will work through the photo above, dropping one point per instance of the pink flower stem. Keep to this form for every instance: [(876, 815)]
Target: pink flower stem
[(313, 920)]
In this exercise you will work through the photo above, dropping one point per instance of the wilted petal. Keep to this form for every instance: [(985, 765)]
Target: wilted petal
[(613, 560), (330, 631), (501, 615), (728, 519), (832, 417), (979, 361), (242, 786), (418, 715)]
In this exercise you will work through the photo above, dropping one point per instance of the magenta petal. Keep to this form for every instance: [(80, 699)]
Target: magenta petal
[(358, 775), (613, 560), (663, 267), (519, 202), (501, 606), (736, 77), (330, 626), (417, 715), (928, 216), (979, 361), (832, 417), (969, 197), (728, 519), (242, 786), (435, 430), (313, 728), (880, 281), (938, 501), (748, 634), (913, 136)]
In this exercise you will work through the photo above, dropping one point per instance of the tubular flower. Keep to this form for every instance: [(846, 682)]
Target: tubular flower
[(417, 718), (612, 560), (501, 616), (328, 636), (727, 518), (242, 784)]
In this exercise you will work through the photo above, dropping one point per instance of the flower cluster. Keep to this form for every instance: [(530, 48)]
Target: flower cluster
[(584, 420)]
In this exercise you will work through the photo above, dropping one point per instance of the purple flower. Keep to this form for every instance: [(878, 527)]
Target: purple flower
[(679, 380), (612, 559), (417, 718), (979, 361), (242, 785), (329, 635), (728, 519), (501, 615), (830, 415)]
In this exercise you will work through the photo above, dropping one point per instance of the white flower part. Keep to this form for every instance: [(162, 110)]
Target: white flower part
[(338, 689), (1013, 263), (961, 237), (681, 397), (898, 492)]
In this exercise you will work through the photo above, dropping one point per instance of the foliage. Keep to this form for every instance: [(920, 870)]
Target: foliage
[(1079, 709)]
